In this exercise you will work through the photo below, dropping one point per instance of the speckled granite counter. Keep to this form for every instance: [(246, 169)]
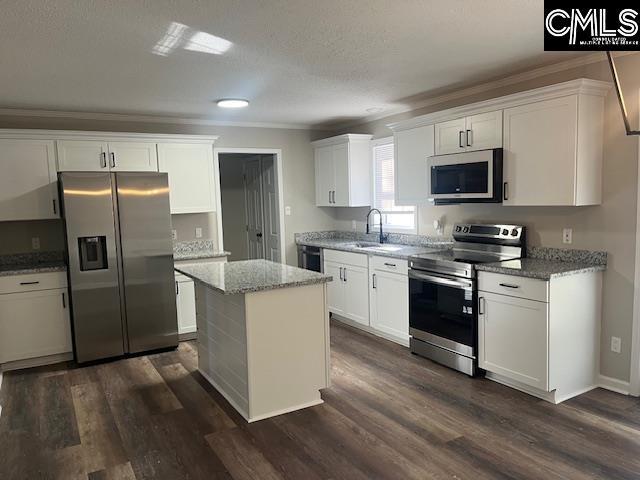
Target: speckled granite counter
[(196, 249), (547, 263), (36, 262), (250, 276), (406, 245)]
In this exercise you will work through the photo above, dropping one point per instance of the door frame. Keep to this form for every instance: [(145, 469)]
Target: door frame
[(251, 151), (634, 383)]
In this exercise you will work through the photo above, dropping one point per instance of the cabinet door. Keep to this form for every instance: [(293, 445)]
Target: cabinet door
[(390, 304), (324, 176), (335, 289), (513, 338), (82, 156), (28, 181), (186, 304), (540, 153), (341, 175), (356, 294), (484, 131), (450, 136), (412, 148), (34, 324), (191, 176), (133, 157)]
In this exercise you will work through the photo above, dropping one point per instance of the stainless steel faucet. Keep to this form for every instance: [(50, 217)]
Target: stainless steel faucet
[(369, 228)]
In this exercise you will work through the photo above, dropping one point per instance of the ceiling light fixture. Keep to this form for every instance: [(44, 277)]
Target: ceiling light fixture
[(232, 103)]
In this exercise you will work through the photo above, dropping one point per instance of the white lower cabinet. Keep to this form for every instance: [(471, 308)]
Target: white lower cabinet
[(371, 292), (186, 305), (348, 294), (389, 297), (34, 323), (535, 336)]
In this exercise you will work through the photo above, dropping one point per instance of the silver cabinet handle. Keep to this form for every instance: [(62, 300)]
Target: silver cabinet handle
[(113, 160), (341, 273), (64, 301), (505, 190), (375, 283), (345, 274), (481, 306), (468, 136), (29, 283), (333, 196), (509, 285), (460, 144), (390, 264), (329, 196), (103, 160)]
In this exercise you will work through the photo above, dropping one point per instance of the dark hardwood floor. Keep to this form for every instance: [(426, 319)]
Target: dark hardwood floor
[(388, 415)]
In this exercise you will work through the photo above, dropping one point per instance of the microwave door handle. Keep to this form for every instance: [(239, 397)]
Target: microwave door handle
[(460, 284)]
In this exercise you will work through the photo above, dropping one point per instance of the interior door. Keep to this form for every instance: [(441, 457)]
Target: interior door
[(133, 157), (270, 204), (450, 136), (254, 208)]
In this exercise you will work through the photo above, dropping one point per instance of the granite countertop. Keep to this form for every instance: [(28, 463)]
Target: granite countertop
[(346, 245), (196, 250), (541, 269), (25, 269), (250, 276)]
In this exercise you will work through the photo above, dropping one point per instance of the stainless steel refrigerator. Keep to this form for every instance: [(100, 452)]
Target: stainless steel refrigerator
[(120, 252)]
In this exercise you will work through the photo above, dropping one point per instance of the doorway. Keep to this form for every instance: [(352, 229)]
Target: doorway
[(250, 205)]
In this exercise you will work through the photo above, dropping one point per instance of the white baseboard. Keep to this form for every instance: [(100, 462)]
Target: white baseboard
[(613, 384)]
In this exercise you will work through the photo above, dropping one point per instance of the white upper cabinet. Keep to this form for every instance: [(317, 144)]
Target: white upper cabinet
[(553, 152), (343, 171), (82, 156), (412, 148), (28, 184), (191, 176), (133, 157), (476, 132)]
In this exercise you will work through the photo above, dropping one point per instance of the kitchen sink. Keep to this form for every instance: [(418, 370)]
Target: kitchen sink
[(385, 247)]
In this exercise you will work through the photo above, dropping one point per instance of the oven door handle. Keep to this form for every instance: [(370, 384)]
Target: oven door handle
[(461, 284)]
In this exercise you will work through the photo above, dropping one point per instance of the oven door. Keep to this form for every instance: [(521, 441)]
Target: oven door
[(461, 176), (441, 311)]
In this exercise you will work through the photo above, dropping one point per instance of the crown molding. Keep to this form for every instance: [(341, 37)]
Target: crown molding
[(481, 88), (102, 136), (582, 86), (338, 139), (123, 117)]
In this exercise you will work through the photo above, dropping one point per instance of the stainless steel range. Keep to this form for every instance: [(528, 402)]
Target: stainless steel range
[(443, 321)]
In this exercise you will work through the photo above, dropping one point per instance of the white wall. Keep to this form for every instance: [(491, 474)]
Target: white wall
[(610, 226)]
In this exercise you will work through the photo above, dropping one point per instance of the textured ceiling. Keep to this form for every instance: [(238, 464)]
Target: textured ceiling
[(301, 62)]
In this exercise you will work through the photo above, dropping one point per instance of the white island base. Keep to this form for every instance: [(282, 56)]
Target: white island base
[(266, 352)]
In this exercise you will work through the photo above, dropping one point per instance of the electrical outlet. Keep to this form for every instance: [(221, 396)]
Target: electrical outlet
[(198, 232), (35, 243), (174, 234), (287, 210), (354, 226), (567, 235), (616, 344)]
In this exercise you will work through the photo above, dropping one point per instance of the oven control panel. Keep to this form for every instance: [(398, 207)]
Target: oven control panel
[(471, 231)]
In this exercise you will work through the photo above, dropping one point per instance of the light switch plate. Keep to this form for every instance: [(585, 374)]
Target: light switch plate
[(616, 344), (567, 235), (35, 243), (174, 234), (198, 232), (287, 210)]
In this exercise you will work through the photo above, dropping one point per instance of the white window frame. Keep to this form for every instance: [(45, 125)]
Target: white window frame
[(387, 228)]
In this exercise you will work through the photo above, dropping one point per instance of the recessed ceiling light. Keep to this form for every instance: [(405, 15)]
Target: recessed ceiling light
[(374, 109), (232, 103)]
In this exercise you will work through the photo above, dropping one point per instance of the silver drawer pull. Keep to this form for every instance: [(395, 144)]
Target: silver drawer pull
[(509, 285), (390, 264), (29, 283)]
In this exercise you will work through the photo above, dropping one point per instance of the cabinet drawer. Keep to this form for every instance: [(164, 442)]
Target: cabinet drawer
[(32, 282), (514, 286), (393, 265), (346, 258)]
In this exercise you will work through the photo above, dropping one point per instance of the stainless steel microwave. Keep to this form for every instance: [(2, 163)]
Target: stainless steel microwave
[(469, 177)]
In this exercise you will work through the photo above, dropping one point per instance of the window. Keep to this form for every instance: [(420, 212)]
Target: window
[(394, 217)]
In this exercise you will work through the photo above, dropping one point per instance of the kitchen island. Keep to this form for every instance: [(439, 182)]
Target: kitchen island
[(263, 334)]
